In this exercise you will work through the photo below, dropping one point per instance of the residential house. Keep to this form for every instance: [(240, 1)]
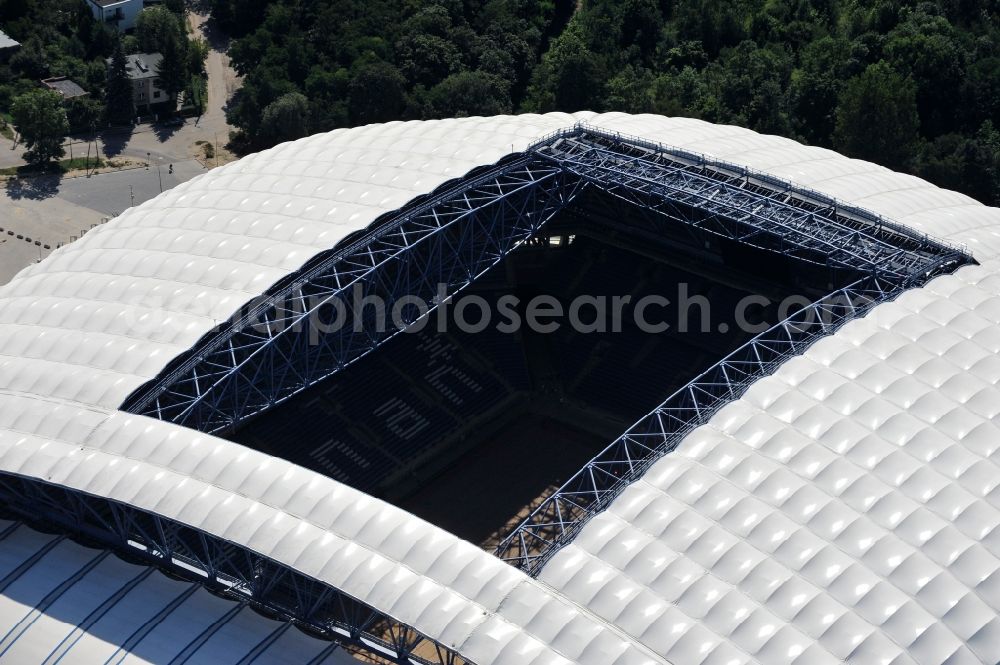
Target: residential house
[(119, 13), (7, 46), (146, 90), (64, 86)]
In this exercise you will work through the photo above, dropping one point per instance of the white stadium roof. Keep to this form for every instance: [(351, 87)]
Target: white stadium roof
[(62, 602), (844, 508)]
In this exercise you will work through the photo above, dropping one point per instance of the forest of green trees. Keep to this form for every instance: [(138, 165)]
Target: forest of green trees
[(912, 85)]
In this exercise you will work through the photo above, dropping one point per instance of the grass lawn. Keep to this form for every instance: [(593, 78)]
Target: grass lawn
[(5, 128), (62, 166)]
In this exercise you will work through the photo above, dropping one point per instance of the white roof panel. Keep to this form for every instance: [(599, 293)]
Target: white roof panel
[(846, 508), (69, 603), (163, 274), (842, 509), (419, 574)]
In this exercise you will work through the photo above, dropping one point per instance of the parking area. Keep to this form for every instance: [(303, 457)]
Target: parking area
[(38, 214)]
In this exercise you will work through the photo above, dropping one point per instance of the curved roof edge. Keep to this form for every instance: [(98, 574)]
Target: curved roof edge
[(422, 576), (82, 329), (104, 315), (65, 601)]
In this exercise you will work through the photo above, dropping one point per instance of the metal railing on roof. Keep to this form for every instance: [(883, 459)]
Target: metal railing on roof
[(231, 373), (561, 516)]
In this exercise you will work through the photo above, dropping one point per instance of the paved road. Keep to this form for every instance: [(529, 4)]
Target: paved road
[(222, 80), (10, 155), (111, 193), (49, 221), (55, 211)]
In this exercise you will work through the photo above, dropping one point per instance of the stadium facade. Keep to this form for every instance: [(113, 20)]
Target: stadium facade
[(822, 491)]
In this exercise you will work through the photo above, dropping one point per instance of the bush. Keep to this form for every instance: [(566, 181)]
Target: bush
[(197, 93)]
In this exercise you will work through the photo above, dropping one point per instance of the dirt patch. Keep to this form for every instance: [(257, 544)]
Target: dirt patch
[(210, 155)]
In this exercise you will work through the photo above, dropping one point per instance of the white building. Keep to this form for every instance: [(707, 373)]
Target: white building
[(119, 13)]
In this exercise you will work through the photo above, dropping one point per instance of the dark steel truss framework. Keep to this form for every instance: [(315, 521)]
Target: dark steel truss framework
[(759, 211), (228, 569), (268, 353), (264, 355), (558, 519), (751, 208)]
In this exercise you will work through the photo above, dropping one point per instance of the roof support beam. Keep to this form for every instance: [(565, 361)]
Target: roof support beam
[(228, 569), (270, 350)]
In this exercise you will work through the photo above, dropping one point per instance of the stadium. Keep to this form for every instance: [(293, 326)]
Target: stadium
[(198, 466)]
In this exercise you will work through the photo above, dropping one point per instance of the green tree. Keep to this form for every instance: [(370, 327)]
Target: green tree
[(197, 54), (815, 85), (40, 119), (752, 83), (926, 49), (30, 60), (82, 113), (641, 24), (222, 13), (877, 118), (427, 59), (632, 90), (286, 118), (981, 92), (469, 94), (118, 104), (155, 27), (971, 164), (172, 72), (377, 93), (130, 43), (716, 24), (570, 78)]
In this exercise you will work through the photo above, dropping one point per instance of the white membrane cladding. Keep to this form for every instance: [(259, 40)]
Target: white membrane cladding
[(63, 602), (105, 314), (844, 509), (419, 574)]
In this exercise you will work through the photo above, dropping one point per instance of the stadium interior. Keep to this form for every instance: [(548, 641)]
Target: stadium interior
[(501, 419)]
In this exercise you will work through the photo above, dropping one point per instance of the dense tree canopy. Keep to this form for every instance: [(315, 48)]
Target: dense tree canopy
[(877, 117), (156, 28), (62, 38), (911, 84), (378, 60), (59, 38), (172, 70), (286, 118)]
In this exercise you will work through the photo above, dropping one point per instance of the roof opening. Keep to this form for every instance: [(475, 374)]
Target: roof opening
[(597, 284), (503, 418)]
